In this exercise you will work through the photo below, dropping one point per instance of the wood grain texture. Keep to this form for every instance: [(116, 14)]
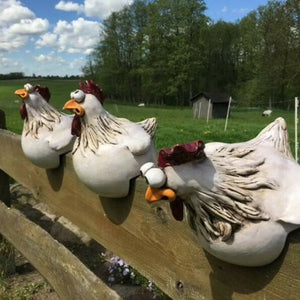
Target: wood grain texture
[(149, 239), (70, 278)]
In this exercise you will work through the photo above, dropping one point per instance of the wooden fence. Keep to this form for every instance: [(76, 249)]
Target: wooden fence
[(146, 237)]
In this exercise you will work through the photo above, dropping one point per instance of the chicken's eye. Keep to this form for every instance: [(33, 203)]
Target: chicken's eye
[(155, 177), (78, 95), (28, 87)]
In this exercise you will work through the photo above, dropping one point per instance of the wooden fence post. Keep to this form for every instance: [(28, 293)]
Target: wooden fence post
[(4, 178), (7, 253)]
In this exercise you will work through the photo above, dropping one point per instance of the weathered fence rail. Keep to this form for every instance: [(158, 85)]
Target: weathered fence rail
[(148, 238), (67, 274)]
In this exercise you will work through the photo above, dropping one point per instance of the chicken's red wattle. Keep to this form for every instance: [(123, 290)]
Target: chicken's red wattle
[(177, 208), (76, 126), (23, 111)]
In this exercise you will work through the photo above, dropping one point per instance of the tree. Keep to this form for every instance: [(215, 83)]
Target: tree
[(222, 54), (279, 27), (165, 51), (172, 58)]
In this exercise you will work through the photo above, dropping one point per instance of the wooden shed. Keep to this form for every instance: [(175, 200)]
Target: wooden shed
[(213, 104)]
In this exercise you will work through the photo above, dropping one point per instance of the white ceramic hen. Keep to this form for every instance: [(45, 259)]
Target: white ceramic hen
[(108, 151), (241, 199), (46, 132)]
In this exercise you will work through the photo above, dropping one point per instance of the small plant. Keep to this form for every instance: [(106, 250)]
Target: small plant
[(122, 273), (3, 283), (27, 291), (7, 257), (6, 249)]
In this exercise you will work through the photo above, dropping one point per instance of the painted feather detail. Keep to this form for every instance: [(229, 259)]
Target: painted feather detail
[(231, 203), (275, 135), (149, 126), (44, 116), (107, 129), (103, 131)]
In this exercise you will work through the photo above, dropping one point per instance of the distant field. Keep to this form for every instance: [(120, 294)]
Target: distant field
[(10, 103), (175, 125)]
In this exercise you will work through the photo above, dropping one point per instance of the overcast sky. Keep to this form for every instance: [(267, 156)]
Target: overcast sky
[(51, 37)]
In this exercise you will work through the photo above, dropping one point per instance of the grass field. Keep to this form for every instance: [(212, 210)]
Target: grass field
[(175, 125)]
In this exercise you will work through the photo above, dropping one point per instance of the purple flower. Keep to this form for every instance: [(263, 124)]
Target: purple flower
[(121, 262), (115, 259), (150, 286), (126, 272)]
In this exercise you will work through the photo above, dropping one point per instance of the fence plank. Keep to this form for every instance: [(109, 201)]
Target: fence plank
[(64, 271), (148, 238)]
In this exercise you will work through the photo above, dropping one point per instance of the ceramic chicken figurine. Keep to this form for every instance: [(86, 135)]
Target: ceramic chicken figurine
[(46, 132), (241, 199), (108, 151)]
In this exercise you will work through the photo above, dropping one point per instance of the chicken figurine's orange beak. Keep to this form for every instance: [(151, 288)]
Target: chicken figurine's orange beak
[(22, 93), (76, 107), (155, 194)]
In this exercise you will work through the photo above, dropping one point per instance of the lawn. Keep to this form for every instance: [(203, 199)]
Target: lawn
[(175, 124)]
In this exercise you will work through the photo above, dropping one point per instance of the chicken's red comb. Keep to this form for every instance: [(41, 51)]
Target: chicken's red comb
[(43, 91), (89, 87), (181, 153)]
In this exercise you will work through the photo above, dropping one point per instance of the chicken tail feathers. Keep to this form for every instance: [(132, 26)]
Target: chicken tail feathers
[(275, 135), (149, 125)]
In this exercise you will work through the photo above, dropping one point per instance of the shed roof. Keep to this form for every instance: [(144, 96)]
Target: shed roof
[(215, 97)]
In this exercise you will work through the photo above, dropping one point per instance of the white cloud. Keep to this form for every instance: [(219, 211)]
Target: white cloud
[(10, 42), (224, 9), (20, 28), (69, 6), (29, 27), (8, 65), (18, 24), (78, 36), (42, 58), (46, 64), (94, 8), (5, 61), (15, 12), (47, 40)]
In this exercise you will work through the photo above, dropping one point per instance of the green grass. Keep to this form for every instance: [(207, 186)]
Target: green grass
[(175, 125), (10, 103)]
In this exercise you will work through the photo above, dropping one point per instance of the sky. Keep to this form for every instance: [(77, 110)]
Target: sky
[(53, 37)]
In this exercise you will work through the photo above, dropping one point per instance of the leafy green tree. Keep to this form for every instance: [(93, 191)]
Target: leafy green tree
[(222, 54), (174, 57), (279, 27), (165, 51)]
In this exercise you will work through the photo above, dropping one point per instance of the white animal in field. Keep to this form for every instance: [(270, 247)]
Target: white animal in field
[(267, 113), (46, 132), (141, 104), (241, 200), (108, 151)]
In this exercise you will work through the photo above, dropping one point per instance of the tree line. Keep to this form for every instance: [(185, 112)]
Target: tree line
[(21, 75), (166, 51)]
